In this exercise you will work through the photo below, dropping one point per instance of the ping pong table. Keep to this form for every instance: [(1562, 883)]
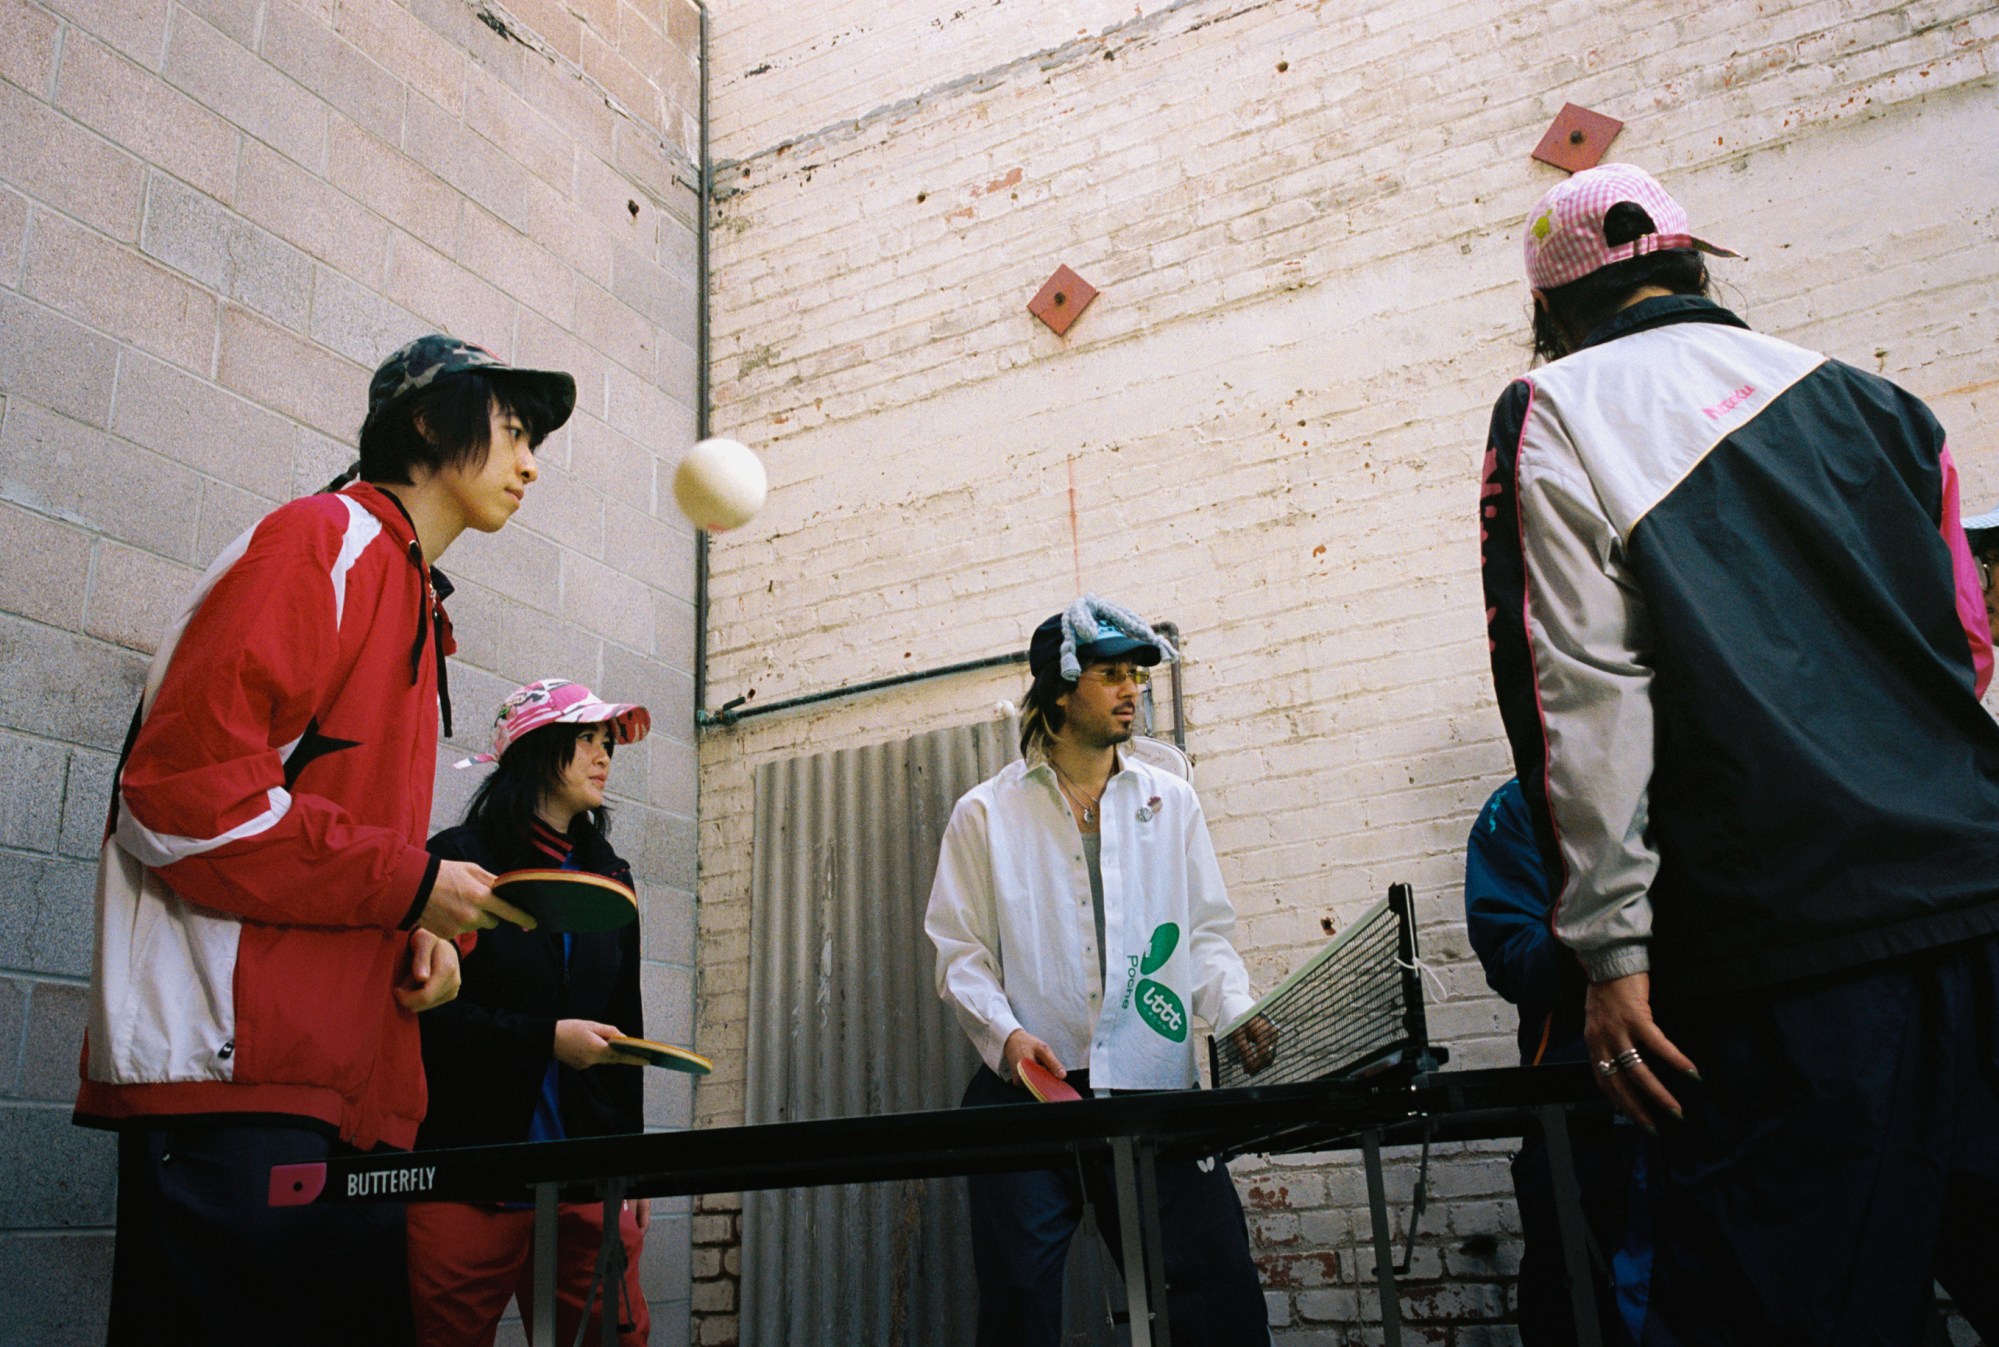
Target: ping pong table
[(1395, 1106)]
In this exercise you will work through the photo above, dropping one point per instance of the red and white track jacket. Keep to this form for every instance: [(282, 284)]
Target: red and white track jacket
[(266, 856)]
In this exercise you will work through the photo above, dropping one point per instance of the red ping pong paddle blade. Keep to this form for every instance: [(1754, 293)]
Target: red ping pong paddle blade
[(297, 1185), (1044, 1084)]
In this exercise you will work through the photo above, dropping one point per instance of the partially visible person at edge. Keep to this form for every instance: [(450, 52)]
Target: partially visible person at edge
[(1981, 533), (524, 1052), (1506, 911), (1061, 883), (1739, 646), (269, 924)]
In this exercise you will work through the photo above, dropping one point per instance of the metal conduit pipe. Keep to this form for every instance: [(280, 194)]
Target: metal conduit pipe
[(737, 709), (703, 195)]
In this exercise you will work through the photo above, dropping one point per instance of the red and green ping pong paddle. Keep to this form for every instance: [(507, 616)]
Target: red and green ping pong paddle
[(569, 900)]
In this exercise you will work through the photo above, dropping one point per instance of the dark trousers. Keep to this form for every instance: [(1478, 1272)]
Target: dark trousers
[(202, 1258), (1841, 1152), (1605, 1156), (1022, 1224)]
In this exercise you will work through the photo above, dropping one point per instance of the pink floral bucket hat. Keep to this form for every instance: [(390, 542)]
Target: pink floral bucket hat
[(556, 701)]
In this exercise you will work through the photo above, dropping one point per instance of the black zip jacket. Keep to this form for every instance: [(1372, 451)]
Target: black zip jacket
[(485, 1052)]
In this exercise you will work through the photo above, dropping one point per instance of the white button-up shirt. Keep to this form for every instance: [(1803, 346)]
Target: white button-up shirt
[(1011, 916)]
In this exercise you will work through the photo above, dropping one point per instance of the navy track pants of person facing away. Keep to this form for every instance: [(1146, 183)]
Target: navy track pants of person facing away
[(1881, 1083)]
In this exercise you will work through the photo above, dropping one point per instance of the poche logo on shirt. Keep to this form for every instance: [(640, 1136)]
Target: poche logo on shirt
[(1161, 1010), (1729, 403), (1158, 1005)]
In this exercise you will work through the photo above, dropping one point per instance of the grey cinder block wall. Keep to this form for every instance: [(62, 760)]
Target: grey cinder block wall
[(216, 216)]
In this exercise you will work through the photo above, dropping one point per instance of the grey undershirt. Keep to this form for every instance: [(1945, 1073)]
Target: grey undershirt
[(1093, 852)]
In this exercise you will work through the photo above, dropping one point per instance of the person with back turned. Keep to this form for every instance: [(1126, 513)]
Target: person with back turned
[(1739, 643)]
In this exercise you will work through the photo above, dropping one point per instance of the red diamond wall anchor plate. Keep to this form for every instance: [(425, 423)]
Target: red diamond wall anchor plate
[(1577, 139), (1062, 300)]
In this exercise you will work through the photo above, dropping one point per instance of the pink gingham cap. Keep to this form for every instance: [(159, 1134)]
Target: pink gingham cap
[(556, 701), (1564, 239)]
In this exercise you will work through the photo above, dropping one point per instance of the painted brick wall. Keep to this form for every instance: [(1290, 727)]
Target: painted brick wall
[(1303, 219), (216, 216)]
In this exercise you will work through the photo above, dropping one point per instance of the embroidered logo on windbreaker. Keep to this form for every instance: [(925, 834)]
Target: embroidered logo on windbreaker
[(1488, 509), (1729, 403), (1158, 1006)]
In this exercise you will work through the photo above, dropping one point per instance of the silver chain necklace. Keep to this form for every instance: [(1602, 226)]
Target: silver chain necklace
[(1071, 793)]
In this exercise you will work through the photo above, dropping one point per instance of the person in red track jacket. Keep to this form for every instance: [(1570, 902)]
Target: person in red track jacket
[(268, 921)]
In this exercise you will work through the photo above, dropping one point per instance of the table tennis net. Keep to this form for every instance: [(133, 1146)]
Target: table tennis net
[(1354, 1008)]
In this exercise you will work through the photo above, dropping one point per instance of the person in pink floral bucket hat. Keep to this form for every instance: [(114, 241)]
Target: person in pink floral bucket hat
[(557, 701), (524, 1053)]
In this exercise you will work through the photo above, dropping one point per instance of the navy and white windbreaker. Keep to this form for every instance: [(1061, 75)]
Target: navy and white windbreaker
[(1738, 643)]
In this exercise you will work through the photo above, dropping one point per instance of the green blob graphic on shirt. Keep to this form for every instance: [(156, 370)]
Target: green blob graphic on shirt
[(1165, 938), (1162, 1011)]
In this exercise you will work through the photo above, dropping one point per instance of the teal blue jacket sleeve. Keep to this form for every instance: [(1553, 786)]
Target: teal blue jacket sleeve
[(1506, 908)]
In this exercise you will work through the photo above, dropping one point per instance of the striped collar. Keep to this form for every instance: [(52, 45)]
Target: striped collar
[(556, 846)]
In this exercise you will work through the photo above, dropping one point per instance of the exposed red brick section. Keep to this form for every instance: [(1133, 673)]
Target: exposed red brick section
[(717, 1240), (216, 216)]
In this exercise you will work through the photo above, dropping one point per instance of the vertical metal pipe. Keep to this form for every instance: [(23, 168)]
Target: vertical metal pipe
[(1179, 694), (706, 174), (1569, 1220), (1155, 1250), (1137, 1284), (1384, 1260), (610, 1267), (543, 1331)]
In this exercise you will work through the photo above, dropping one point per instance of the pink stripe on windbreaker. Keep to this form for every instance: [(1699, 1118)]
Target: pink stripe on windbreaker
[(1964, 567)]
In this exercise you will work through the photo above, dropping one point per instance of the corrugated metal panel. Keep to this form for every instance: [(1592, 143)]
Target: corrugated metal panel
[(844, 1021)]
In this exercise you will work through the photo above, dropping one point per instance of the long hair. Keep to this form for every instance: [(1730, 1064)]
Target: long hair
[(448, 424), (1040, 718), (503, 809), (1575, 310)]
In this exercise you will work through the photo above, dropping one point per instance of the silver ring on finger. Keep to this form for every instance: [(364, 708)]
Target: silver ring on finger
[(1609, 1067), (1629, 1059)]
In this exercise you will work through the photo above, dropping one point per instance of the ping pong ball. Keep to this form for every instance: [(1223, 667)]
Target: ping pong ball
[(720, 484)]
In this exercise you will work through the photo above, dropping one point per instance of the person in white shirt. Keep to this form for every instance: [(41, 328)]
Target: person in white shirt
[(1081, 922)]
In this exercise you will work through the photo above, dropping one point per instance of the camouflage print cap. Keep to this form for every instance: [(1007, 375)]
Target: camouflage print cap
[(422, 362)]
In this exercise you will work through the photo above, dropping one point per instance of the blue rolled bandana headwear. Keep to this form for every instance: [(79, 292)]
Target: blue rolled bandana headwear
[(1094, 628)]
